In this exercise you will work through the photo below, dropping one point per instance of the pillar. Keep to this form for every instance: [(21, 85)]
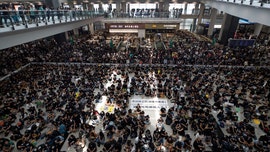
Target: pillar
[(185, 8), (128, 8), (257, 29), (196, 11), (228, 28), (124, 6), (202, 7), (76, 31), (141, 33), (118, 5), (66, 35), (91, 28), (91, 7), (160, 5), (100, 8), (166, 6), (213, 17)]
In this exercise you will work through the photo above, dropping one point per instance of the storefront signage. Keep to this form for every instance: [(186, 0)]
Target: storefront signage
[(161, 26), (125, 26)]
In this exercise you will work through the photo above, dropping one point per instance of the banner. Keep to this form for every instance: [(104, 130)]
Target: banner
[(149, 103)]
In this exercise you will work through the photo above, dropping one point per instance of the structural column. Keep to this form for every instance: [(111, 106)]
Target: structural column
[(257, 29), (118, 5), (76, 31), (212, 22), (228, 28), (128, 8), (185, 8), (124, 6), (202, 7), (91, 28), (196, 10)]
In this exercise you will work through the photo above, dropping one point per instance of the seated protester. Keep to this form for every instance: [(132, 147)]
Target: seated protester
[(7, 146), (169, 143), (246, 141), (92, 147), (198, 145), (178, 145), (16, 134), (264, 127), (160, 148), (41, 147), (163, 112), (128, 146), (81, 142), (100, 138), (71, 140), (93, 136), (148, 136), (58, 142), (117, 147), (147, 120), (109, 145), (133, 132), (169, 117), (138, 108), (24, 145)]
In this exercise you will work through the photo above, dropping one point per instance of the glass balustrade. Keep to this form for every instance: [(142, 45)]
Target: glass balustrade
[(26, 19), (14, 20)]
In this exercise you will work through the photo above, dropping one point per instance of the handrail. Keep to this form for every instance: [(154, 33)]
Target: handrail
[(26, 17)]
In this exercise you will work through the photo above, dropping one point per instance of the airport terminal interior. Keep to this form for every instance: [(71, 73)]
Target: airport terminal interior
[(134, 76)]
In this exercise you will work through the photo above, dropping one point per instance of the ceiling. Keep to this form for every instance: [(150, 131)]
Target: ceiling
[(102, 1)]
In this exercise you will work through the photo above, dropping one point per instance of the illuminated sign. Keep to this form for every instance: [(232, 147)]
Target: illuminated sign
[(161, 26), (125, 26)]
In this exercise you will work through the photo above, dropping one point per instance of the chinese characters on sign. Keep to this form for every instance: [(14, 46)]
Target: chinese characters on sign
[(149, 103)]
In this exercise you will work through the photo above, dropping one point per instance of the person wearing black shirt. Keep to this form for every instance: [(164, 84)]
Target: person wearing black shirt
[(198, 145), (92, 147)]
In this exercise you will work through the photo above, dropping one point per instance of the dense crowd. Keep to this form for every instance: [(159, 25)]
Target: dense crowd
[(44, 105), (186, 50)]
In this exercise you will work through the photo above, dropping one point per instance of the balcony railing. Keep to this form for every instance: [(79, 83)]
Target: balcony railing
[(13, 20)]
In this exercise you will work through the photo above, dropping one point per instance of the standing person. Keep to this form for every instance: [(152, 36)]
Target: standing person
[(21, 14), (14, 15), (6, 15), (52, 12), (41, 13), (1, 17), (48, 13), (32, 13)]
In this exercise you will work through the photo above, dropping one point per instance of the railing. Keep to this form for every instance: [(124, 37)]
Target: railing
[(27, 18), (178, 13)]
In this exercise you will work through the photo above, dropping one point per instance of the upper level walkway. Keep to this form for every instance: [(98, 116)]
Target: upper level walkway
[(252, 10)]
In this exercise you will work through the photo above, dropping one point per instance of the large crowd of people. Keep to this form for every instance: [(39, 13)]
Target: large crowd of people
[(186, 50), (42, 107), (54, 100)]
